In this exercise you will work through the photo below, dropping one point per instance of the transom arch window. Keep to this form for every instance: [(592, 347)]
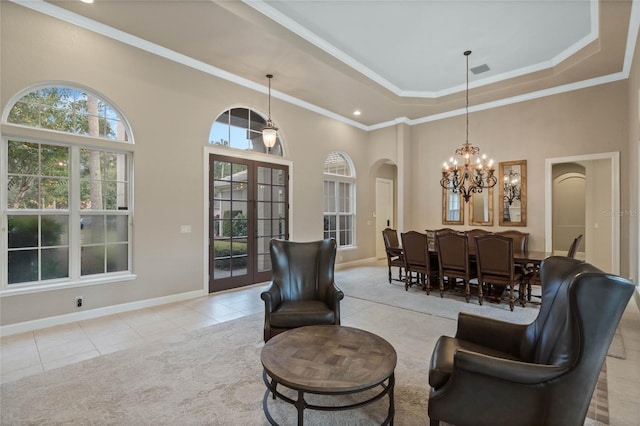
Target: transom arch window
[(66, 205), (339, 199), (241, 128)]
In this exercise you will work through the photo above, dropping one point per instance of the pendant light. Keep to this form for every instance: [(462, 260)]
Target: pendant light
[(269, 131)]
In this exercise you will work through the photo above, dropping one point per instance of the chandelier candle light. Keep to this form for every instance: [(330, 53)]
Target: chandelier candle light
[(269, 131), (476, 172)]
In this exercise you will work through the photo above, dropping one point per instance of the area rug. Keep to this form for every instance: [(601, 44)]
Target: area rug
[(211, 376)]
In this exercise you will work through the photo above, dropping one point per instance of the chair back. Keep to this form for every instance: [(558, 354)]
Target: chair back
[(520, 239), (415, 247), (472, 234), (303, 270), (494, 255), (574, 246), (453, 252), (581, 308), (390, 237)]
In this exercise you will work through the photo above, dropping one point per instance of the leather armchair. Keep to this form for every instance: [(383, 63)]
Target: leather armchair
[(544, 373), (302, 290)]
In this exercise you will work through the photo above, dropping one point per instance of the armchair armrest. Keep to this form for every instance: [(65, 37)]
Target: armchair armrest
[(500, 335), (505, 369), (334, 296), (271, 297)]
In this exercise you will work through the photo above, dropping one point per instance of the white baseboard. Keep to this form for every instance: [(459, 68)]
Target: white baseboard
[(22, 327), (355, 263)]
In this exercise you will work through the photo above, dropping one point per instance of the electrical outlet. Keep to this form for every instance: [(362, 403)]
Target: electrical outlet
[(79, 301)]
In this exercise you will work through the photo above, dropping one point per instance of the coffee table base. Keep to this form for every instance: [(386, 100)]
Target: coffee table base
[(301, 404)]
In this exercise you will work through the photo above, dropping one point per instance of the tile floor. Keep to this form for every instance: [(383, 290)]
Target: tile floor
[(33, 352)]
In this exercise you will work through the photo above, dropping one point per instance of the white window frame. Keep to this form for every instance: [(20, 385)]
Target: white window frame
[(75, 143), (337, 179)]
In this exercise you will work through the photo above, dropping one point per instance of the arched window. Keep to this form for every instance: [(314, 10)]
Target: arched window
[(241, 128), (339, 199), (66, 203)]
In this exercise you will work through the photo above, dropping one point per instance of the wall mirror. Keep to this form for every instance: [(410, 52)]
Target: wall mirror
[(481, 208), (452, 208), (513, 193)]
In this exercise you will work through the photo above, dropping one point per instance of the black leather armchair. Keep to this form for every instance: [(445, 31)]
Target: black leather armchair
[(302, 290), (544, 373)]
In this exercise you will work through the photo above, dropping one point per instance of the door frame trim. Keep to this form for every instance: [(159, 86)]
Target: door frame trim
[(614, 158), (246, 155)]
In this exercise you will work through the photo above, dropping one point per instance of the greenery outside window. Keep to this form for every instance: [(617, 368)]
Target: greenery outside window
[(339, 199), (67, 206)]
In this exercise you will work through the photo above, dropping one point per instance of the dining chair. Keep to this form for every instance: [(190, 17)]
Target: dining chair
[(574, 246), (471, 234), (394, 252), (453, 261), (520, 239), (494, 254), (418, 260)]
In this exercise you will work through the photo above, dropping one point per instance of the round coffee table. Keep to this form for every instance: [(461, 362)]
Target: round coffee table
[(328, 360)]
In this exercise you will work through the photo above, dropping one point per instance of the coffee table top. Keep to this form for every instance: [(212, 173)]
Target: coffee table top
[(328, 359)]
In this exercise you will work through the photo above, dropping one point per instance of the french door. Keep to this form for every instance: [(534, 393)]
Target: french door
[(248, 206)]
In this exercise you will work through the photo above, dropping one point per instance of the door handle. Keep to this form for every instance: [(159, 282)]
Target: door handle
[(388, 222)]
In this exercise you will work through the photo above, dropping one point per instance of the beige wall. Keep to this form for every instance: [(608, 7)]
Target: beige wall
[(587, 121), (171, 108)]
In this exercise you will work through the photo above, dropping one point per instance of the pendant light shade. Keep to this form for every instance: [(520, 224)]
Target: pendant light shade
[(269, 131)]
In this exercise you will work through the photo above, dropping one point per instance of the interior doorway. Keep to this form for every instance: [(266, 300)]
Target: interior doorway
[(384, 212), (601, 207)]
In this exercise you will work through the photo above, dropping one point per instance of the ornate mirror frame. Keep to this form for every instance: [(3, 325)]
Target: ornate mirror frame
[(481, 208), (513, 193), (452, 208)]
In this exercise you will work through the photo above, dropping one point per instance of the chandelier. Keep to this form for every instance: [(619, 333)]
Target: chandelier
[(511, 187), (475, 172), (269, 131)]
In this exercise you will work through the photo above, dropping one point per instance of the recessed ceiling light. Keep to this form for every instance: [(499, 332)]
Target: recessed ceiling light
[(357, 112), (86, 1)]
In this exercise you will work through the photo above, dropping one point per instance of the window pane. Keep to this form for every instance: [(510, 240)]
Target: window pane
[(239, 172), (55, 263), (22, 192), (54, 193), (68, 110), (23, 158), (117, 228), (23, 231), (241, 128), (55, 231), (117, 257), (264, 175), (92, 260), (55, 160), (92, 229), (22, 266)]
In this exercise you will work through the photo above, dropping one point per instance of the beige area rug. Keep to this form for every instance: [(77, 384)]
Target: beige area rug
[(212, 376)]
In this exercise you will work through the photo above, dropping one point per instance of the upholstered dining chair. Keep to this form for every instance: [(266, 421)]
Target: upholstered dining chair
[(302, 290), (471, 236), (520, 239), (543, 373), (453, 261), (574, 246), (395, 253), (418, 260), (494, 255)]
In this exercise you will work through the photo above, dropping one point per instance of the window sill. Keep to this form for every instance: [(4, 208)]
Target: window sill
[(85, 282)]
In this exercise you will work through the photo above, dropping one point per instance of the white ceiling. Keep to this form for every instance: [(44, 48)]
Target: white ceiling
[(415, 48), (393, 60)]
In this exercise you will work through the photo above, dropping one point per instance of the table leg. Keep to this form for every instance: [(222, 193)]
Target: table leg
[(392, 408), (300, 404)]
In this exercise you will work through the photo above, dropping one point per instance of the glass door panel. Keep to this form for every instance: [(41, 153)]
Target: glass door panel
[(248, 207)]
